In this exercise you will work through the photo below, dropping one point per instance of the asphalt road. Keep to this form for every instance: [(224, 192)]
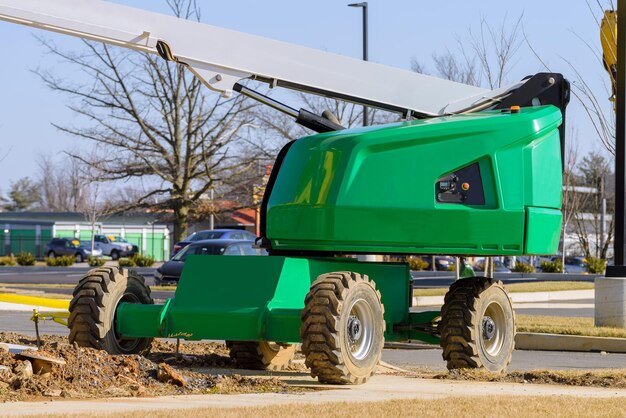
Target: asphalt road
[(428, 358), (55, 275)]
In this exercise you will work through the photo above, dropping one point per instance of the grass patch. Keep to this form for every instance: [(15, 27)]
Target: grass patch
[(435, 291), (452, 406), (41, 285), (548, 286), (565, 325), (163, 287), (24, 292), (518, 287)]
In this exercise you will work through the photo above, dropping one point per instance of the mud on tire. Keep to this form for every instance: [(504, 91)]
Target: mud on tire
[(342, 328), (94, 305), (261, 355), (477, 325)]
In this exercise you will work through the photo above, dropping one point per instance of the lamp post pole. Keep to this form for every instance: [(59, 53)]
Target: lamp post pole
[(363, 5), (619, 270)]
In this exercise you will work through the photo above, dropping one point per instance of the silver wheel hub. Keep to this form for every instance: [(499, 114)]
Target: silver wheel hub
[(489, 328), (359, 330), (355, 329)]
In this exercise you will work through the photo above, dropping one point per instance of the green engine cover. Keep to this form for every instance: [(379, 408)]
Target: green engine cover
[(484, 183)]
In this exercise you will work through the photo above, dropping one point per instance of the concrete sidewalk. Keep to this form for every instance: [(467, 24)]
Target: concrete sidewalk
[(379, 388)]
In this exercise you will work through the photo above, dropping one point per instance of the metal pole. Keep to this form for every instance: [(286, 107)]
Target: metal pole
[(211, 216), (365, 57), (152, 255), (363, 5), (619, 270), (602, 215)]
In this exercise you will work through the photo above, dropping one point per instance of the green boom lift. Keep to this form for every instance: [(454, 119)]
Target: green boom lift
[(467, 172)]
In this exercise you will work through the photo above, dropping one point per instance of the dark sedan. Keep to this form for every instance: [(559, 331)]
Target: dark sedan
[(214, 234), (170, 271)]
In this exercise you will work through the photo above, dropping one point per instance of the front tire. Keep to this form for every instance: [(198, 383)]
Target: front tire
[(115, 255), (477, 325), (94, 306), (51, 254), (342, 328), (79, 258)]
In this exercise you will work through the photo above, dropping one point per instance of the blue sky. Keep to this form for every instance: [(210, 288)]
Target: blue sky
[(398, 31)]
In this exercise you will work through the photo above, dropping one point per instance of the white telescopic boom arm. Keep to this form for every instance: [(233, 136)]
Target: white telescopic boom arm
[(222, 57)]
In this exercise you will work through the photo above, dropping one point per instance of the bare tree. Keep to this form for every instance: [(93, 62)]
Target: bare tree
[(595, 104), (61, 184), (94, 208), (594, 171), (482, 57), (152, 120)]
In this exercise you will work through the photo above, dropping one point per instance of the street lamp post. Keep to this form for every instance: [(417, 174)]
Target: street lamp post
[(363, 5)]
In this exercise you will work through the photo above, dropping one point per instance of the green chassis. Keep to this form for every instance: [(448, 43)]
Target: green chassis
[(260, 298)]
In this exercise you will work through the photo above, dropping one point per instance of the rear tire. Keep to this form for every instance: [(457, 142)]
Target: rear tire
[(342, 328), (79, 258), (51, 254), (94, 306), (261, 355), (115, 255), (477, 325)]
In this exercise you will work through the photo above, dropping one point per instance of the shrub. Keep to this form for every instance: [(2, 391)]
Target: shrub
[(523, 267), (25, 259), (416, 263), (95, 261), (126, 262), (61, 261), (595, 265), (143, 260), (555, 266), (7, 261)]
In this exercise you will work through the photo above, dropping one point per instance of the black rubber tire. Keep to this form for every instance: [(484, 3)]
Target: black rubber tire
[(333, 301), (79, 258), (261, 355), (51, 254), (94, 305), (115, 255), (465, 342)]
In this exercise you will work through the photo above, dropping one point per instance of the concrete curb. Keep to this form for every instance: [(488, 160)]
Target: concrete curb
[(541, 342), (556, 342), (519, 297)]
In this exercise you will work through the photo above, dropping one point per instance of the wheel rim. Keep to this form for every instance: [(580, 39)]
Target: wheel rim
[(493, 329), (360, 330), (125, 344)]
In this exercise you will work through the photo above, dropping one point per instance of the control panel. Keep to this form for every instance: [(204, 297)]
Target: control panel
[(462, 186)]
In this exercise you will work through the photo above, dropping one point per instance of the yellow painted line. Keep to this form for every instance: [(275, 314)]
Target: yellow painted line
[(35, 301)]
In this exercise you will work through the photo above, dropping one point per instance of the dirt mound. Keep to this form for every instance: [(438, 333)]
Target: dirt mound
[(613, 378), (89, 373)]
